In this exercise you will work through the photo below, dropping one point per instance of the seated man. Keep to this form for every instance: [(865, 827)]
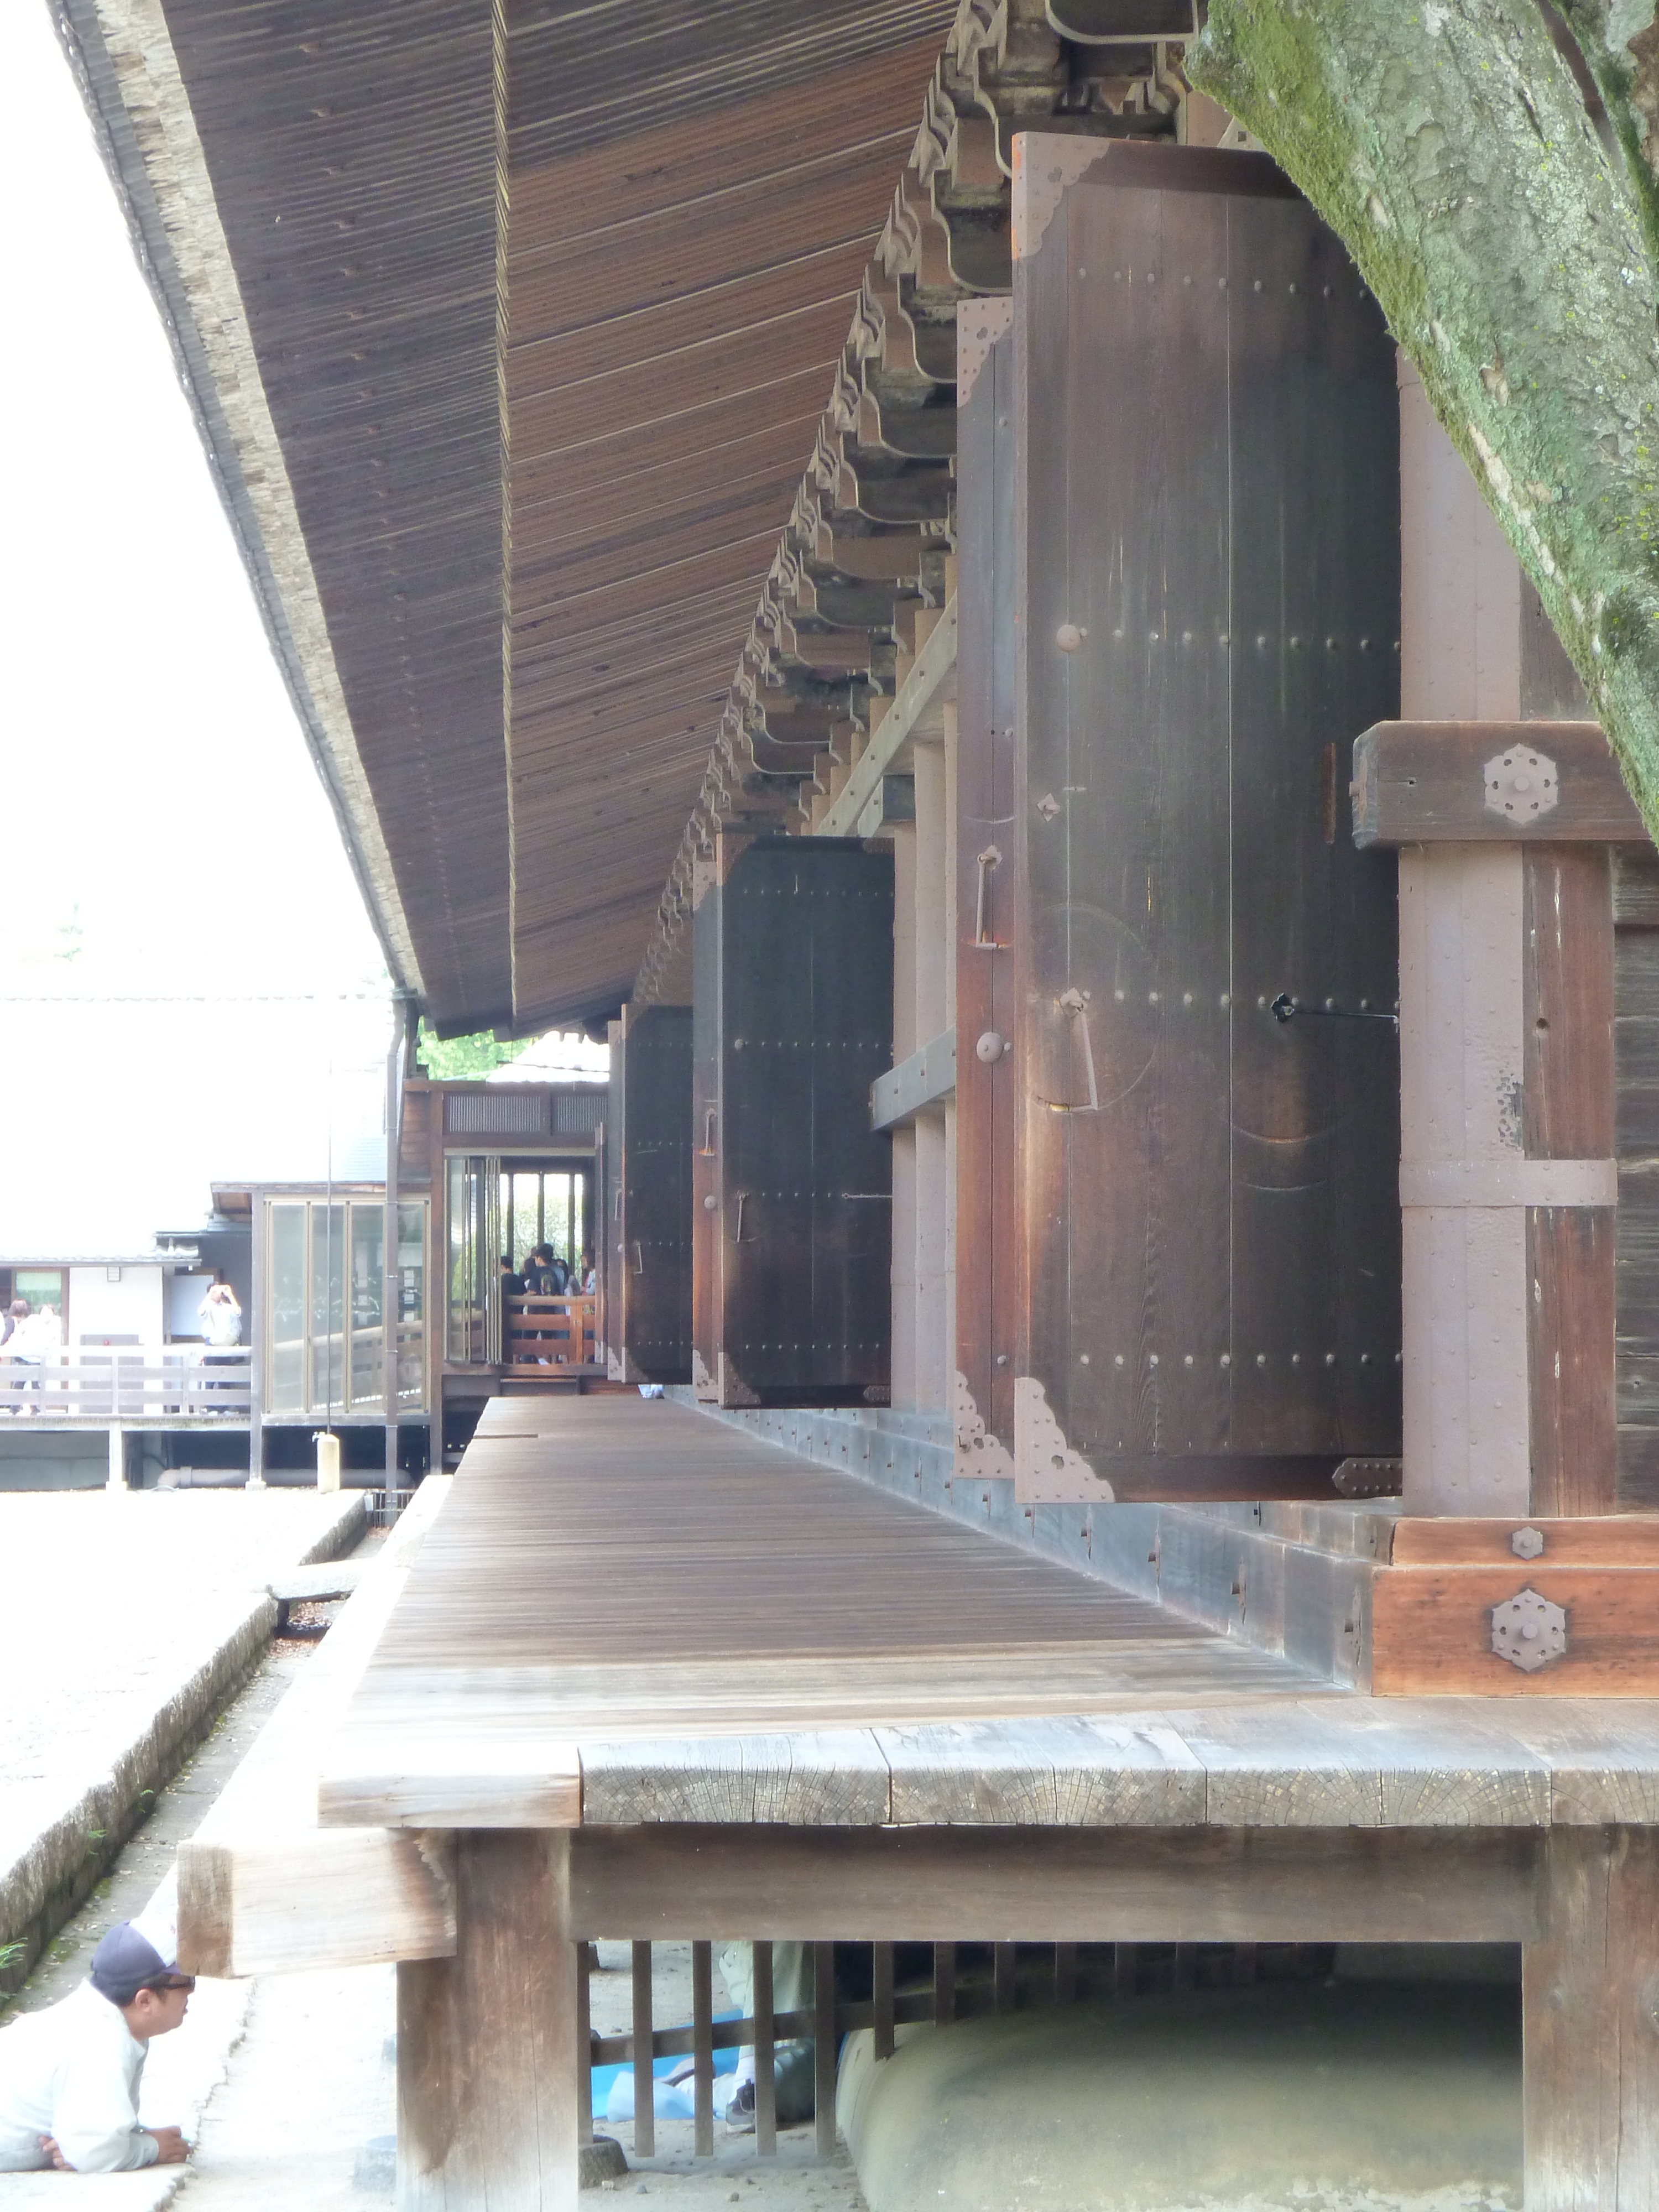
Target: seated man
[(69, 2075)]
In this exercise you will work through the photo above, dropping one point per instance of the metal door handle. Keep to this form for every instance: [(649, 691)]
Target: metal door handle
[(990, 858), (737, 1234), (639, 1259), (708, 1135), (1077, 1007)]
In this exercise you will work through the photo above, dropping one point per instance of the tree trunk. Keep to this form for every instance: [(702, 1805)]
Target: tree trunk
[(1449, 145)]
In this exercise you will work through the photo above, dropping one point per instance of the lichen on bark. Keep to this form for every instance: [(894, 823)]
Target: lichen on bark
[(1447, 144)]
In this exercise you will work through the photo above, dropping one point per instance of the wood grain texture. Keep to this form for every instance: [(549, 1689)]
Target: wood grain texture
[(821, 1779), (1431, 1631), (1589, 1995), (1603, 1757), (1209, 1193), (328, 1898), (487, 2052), (1625, 1540), (1066, 1772), (978, 1685), (1568, 1112), (1023, 1885), (1424, 783), (990, 914)]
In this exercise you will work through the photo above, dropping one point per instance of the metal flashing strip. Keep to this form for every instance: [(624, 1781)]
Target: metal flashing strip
[(923, 690), (1509, 1182), (928, 1078)]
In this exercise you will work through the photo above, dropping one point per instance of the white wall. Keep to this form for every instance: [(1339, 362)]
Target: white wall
[(99, 1307)]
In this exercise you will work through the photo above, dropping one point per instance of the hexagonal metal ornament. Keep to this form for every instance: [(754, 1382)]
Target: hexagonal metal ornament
[(1528, 1630), (1526, 1543), (1521, 784)]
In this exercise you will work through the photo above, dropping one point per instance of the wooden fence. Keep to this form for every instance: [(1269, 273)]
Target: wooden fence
[(545, 1332), (128, 1382), (961, 1980)]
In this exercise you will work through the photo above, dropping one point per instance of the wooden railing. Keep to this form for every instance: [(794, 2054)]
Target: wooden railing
[(544, 1332), (127, 1383)]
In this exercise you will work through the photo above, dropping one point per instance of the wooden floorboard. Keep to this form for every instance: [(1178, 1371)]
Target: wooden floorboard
[(628, 1613)]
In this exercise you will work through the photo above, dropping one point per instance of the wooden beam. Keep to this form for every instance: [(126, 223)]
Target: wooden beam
[(1432, 783), (1243, 1885), (327, 1897), (927, 1079), (930, 682)]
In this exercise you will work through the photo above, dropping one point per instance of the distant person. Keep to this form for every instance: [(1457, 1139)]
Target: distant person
[(17, 1311), (512, 1283), (551, 1275), (590, 1275), (38, 1338), (70, 2074), (220, 1316)]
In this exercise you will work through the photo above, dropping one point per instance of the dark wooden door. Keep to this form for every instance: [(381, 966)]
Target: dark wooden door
[(651, 1105), (1207, 497), (794, 1014)]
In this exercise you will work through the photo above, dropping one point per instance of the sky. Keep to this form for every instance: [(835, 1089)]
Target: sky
[(190, 989)]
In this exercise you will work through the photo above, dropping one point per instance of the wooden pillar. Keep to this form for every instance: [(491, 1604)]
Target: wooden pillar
[(933, 931), (987, 1246), (1590, 2026), (1506, 1067), (905, 1042), (487, 2048)]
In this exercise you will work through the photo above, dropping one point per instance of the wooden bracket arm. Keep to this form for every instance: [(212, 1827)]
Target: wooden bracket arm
[(1429, 783)]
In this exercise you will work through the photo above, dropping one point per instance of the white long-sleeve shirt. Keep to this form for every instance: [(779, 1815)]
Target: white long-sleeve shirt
[(72, 2072)]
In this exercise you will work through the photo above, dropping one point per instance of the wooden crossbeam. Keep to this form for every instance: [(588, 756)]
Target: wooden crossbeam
[(1425, 783)]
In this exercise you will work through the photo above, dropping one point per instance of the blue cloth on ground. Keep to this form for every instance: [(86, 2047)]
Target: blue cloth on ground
[(608, 2080)]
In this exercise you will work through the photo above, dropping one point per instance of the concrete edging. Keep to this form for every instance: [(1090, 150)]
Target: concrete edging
[(58, 1869)]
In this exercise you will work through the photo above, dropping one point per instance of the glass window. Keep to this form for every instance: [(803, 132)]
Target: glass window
[(328, 1348), (286, 1388), (367, 1364), (411, 1305)]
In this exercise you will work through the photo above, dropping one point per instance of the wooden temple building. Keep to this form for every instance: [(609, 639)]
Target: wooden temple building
[(878, 549)]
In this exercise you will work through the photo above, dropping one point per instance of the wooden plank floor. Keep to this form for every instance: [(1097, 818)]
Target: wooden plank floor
[(628, 1611)]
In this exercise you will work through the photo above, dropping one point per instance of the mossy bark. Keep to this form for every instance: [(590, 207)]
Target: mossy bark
[(1447, 142)]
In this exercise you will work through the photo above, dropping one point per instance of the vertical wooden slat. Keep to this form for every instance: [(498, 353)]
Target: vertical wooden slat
[(944, 1982), (882, 1978), (645, 2107), (1004, 1960), (702, 2050), (583, 2046), (766, 2101), (823, 2048), (1065, 1974)]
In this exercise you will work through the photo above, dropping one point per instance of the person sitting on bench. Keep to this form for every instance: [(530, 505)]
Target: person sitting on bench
[(70, 2074)]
